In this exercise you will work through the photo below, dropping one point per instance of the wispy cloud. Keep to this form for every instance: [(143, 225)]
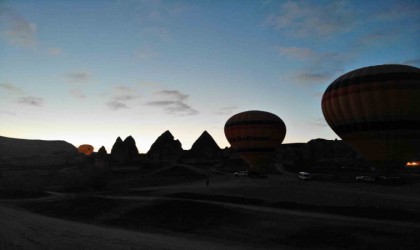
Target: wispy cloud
[(156, 33), (54, 51), (298, 53), (16, 29), (124, 93), (120, 97), (413, 62), (77, 93), (172, 94), (145, 53), (317, 66), (153, 17), (314, 77), (320, 122), (400, 10), (31, 100), (116, 105), (173, 102), (125, 97), (308, 18), (78, 77), (156, 10), (10, 88), (226, 110)]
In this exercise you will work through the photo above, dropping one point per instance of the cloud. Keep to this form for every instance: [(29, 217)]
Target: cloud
[(156, 33), (400, 10), (173, 102), (174, 107), (120, 96), (122, 88), (16, 30), (125, 97), (173, 94), (226, 110), (145, 54), (318, 66), (297, 53), (156, 10), (125, 93), (383, 37), (116, 105), (31, 100), (10, 88), (414, 62), (77, 93), (4, 112), (320, 122), (317, 77), (53, 51), (306, 18), (78, 77), (314, 57)]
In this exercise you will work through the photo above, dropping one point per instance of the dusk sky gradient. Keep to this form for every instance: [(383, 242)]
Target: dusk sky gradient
[(90, 71)]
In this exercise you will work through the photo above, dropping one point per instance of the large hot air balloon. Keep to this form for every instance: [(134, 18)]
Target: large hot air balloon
[(86, 149), (255, 135), (377, 111)]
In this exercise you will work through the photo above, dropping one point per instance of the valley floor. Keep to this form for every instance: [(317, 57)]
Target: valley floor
[(279, 212)]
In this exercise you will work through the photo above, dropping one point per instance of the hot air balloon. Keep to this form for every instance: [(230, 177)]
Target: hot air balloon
[(376, 110), (86, 149), (255, 135)]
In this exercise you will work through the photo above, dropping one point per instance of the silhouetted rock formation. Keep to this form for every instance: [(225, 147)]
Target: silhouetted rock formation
[(118, 151), (35, 152), (165, 148), (131, 148), (204, 148), (102, 158), (124, 152), (102, 152)]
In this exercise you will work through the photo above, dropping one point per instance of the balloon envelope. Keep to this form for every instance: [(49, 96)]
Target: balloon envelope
[(255, 135), (86, 149), (377, 111)]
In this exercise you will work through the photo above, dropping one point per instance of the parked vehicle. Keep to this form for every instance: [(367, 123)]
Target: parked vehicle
[(241, 174), (391, 180), (304, 176), (365, 178)]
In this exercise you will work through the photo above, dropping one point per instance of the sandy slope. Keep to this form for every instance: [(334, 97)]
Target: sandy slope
[(23, 230)]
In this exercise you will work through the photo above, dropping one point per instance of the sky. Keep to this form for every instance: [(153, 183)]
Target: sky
[(90, 71)]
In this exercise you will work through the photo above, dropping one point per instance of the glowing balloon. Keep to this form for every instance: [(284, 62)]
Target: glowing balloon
[(377, 111), (86, 149), (255, 135)]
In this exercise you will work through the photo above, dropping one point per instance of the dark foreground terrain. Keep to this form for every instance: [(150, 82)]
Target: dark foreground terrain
[(280, 212)]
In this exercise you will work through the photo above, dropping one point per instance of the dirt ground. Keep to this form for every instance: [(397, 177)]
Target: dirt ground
[(279, 212)]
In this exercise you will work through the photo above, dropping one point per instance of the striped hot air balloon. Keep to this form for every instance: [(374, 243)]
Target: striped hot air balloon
[(255, 135), (377, 111), (85, 149)]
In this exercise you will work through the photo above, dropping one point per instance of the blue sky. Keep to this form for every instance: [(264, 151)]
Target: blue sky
[(90, 71)]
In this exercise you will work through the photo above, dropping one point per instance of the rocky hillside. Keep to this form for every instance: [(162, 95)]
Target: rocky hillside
[(124, 152), (165, 148), (204, 148), (35, 152)]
